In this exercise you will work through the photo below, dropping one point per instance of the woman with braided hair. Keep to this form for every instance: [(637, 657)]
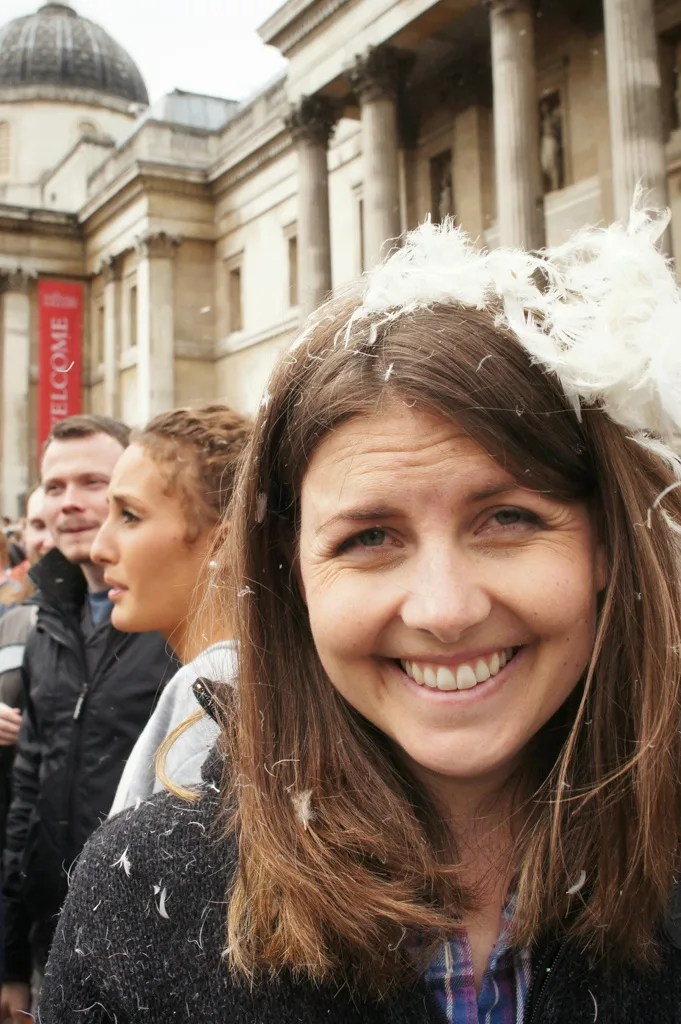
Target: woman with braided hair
[(167, 501)]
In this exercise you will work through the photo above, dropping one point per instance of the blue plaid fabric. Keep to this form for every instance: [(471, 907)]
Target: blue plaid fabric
[(503, 994)]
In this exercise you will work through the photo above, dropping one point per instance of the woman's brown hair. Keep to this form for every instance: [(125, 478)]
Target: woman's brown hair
[(340, 852)]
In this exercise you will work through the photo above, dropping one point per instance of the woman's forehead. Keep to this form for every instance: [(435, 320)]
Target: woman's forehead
[(396, 448)]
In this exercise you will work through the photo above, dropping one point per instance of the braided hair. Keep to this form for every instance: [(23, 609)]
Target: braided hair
[(199, 450)]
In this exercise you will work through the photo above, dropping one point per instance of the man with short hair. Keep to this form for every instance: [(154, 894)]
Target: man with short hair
[(88, 691)]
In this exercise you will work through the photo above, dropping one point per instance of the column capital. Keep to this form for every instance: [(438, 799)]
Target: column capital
[(17, 279), (314, 119), (158, 244), (376, 74), (110, 268)]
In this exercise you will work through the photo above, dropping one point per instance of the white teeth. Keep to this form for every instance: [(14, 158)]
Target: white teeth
[(465, 678), (430, 678), (445, 679), (481, 672)]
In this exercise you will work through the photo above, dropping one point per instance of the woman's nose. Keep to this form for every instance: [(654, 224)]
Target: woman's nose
[(101, 551), (445, 596)]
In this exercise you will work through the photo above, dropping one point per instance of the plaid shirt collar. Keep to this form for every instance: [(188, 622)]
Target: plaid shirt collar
[(503, 994)]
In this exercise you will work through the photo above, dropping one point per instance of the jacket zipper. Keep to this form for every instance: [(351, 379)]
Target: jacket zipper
[(548, 973), (79, 703)]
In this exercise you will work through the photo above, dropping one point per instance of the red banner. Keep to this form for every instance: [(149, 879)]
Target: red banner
[(60, 308)]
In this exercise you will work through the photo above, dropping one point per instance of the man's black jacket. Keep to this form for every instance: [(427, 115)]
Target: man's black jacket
[(75, 737)]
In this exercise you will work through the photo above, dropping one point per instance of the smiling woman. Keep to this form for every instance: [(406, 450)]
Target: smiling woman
[(452, 761)]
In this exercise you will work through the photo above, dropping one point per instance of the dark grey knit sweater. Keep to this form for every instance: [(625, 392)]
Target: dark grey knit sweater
[(142, 935)]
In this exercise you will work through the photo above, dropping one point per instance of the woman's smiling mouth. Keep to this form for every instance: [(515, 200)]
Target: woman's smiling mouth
[(462, 676)]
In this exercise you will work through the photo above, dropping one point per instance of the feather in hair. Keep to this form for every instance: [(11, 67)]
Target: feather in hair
[(607, 321)]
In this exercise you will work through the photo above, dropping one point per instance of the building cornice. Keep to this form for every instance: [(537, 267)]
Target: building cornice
[(225, 177), (32, 221), (296, 20), (68, 94), (141, 177)]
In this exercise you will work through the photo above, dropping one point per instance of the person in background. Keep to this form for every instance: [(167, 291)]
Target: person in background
[(17, 553), (8, 586), (15, 627), (88, 692), (168, 497)]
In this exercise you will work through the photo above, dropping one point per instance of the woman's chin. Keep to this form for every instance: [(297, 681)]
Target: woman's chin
[(125, 622)]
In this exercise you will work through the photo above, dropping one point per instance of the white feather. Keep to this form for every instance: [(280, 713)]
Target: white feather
[(607, 320)]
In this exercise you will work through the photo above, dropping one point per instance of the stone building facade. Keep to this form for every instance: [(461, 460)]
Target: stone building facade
[(203, 231)]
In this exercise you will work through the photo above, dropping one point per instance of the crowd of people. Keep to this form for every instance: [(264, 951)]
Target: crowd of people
[(368, 711)]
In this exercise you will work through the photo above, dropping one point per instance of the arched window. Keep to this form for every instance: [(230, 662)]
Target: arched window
[(87, 128), (5, 149)]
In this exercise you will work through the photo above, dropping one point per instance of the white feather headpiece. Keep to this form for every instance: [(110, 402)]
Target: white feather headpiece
[(602, 311)]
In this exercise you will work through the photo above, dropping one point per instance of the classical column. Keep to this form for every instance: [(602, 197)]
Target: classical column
[(375, 79), (155, 324), (634, 100), (16, 360), (312, 124), (520, 207), (111, 271)]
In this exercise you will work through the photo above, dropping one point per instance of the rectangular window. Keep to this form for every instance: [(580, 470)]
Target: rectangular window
[(132, 316), (293, 270), (235, 300)]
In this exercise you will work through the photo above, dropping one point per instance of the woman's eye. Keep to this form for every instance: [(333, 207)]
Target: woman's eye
[(373, 538), (129, 517), (510, 517)]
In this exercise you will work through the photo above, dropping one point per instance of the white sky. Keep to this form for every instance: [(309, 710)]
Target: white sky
[(208, 46)]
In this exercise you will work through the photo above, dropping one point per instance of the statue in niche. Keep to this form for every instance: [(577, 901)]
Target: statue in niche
[(551, 148), (442, 189), (445, 206)]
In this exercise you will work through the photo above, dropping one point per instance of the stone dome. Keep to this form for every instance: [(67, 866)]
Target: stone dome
[(56, 47)]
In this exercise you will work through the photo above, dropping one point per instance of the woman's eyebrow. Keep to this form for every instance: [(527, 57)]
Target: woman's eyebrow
[(359, 515), (494, 491), (123, 499)]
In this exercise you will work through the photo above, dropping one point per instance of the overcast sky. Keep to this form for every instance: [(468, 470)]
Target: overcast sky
[(208, 46)]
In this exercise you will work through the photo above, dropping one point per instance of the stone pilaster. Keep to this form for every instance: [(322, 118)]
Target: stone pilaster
[(636, 130), (516, 124), (312, 124), (111, 272), (155, 324), (17, 286), (375, 79)]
